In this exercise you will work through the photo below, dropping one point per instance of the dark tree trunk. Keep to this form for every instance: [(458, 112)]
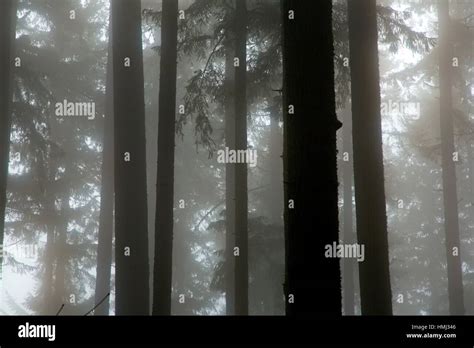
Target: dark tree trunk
[(348, 234), (241, 195), (229, 178), (311, 279), (131, 239), (450, 198), (7, 37), (371, 214), (104, 247), (165, 174)]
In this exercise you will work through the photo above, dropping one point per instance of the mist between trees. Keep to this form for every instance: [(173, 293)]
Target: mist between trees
[(236, 157)]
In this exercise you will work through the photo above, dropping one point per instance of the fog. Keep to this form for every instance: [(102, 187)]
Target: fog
[(59, 163)]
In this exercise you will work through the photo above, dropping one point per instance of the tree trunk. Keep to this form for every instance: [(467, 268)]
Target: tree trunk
[(229, 178), (47, 281), (450, 198), (371, 214), (131, 239), (165, 174), (241, 195), (312, 281), (104, 247), (60, 251), (50, 216), (7, 38), (348, 234)]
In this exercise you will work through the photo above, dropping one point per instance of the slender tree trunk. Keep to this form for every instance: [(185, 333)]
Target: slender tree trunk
[(312, 281), (104, 247), (348, 236), (165, 175), (7, 38), (50, 216), (241, 194), (47, 281), (61, 257), (376, 297), (152, 155), (131, 238), (229, 178), (450, 198)]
